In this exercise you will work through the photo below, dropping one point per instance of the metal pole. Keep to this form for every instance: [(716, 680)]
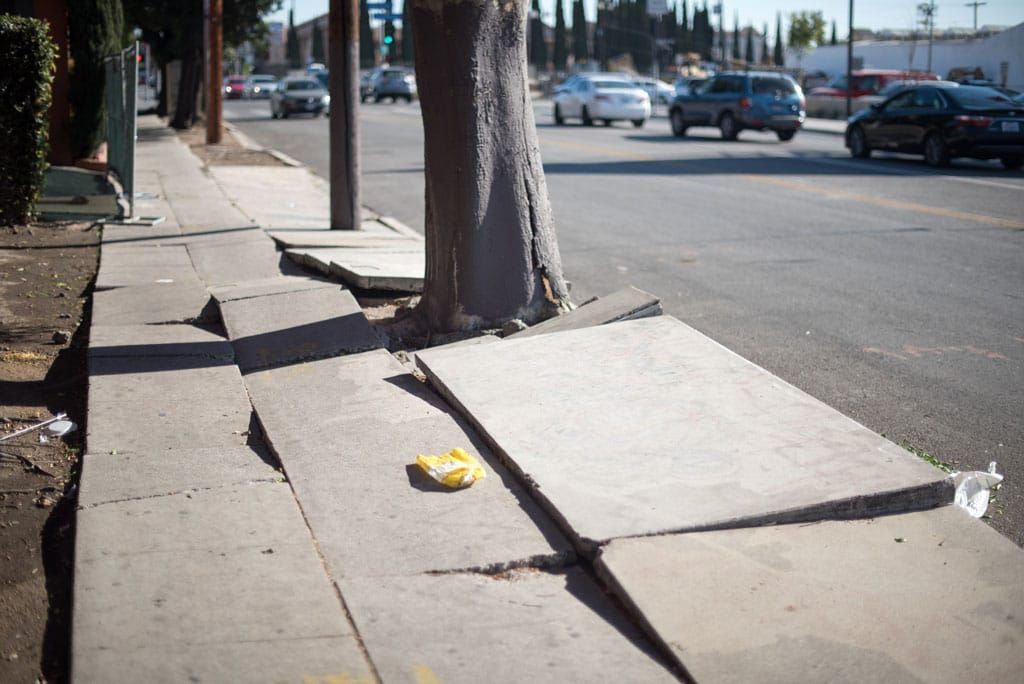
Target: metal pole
[(214, 103), (849, 65), (343, 64)]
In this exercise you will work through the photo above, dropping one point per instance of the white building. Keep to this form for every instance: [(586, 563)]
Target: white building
[(1000, 56)]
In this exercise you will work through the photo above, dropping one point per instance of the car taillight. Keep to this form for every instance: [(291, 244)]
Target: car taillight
[(973, 121), (744, 103)]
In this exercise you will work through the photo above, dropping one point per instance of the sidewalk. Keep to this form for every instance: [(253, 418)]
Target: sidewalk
[(249, 510)]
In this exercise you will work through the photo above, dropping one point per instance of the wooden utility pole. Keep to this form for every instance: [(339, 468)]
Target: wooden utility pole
[(343, 64), (215, 94), (849, 65)]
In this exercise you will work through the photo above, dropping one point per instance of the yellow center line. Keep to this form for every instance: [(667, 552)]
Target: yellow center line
[(886, 202), (597, 149)]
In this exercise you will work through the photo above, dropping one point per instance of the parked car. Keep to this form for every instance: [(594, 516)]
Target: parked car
[(869, 82), (299, 96), (366, 83), (684, 85), (942, 123), (235, 87), (657, 90), (260, 85), (734, 101), (602, 97), (396, 83), (899, 86)]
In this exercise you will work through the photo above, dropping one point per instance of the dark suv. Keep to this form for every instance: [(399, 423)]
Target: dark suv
[(733, 101)]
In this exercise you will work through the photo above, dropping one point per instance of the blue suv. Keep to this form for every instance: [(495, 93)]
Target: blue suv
[(737, 100)]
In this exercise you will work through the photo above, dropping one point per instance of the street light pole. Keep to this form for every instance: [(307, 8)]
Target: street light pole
[(975, 5), (849, 65), (343, 85)]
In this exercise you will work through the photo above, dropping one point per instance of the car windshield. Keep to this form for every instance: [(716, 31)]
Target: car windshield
[(773, 86), (396, 73), (607, 85), (263, 79), (237, 81), (302, 85), (974, 97)]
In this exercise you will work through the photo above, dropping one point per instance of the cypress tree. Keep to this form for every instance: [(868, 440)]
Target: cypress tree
[(834, 40), (408, 52), (779, 57), (366, 46), (736, 38), (560, 53), (765, 54), (95, 29), (318, 43), (580, 49), (537, 45), (294, 58), (683, 41), (750, 46), (671, 29)]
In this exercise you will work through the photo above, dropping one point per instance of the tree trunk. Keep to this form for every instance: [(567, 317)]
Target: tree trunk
[(491, 250)]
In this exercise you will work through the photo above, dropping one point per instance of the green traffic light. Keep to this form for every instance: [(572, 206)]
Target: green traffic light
[(388, 40)]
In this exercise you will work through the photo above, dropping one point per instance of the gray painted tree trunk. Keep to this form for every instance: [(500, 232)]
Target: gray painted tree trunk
[(492, 255)]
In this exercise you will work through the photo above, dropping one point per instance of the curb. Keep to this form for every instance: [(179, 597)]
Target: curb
[(251, 145)]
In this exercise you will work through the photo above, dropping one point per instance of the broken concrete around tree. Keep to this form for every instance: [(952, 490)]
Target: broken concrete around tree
[(622, 305), (262, 287), (524, 625), (355, 239), (233, 263), (287, 328), (157, 340), (932, 596), (180, 585), (394, 270), (152, 304), (659, 409), (373, 512)]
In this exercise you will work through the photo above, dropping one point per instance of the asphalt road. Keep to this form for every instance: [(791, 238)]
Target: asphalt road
[(887, 289)]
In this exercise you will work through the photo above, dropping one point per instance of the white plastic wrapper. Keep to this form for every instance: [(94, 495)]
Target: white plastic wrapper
[(974, 488)]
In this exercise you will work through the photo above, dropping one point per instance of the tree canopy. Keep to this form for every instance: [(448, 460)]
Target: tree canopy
[(806, 29)]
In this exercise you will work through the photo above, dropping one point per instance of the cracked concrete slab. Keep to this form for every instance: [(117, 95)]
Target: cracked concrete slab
[(110, 277), (149, 304), (189, 583), (659, 409), (157, 340), (522, 626), (262, 287), (232, 263), (626, 304), (355, 239), (933, 596), (159, 255), (123, 475), (295, 326), (398, 270), (348, 430)]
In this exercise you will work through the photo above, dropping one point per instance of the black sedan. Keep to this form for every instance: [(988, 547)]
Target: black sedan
[(942, 123)]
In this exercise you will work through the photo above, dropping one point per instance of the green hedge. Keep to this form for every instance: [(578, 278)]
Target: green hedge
[(27, 55)]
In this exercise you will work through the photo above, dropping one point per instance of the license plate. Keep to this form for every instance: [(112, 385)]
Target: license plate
[(1010, 127)]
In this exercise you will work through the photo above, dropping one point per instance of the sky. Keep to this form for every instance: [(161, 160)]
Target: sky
[(870, 14)]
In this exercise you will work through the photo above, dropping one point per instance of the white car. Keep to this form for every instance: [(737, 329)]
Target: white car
[(605, 98), (657, 90)]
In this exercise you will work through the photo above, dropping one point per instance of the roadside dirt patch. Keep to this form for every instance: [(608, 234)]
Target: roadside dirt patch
[(46, 275), (228, 153)]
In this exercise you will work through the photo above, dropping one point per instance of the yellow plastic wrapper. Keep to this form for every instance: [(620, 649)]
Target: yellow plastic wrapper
[(455, 469)]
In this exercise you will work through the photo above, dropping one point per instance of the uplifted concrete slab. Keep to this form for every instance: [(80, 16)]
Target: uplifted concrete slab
[(622, 305), (348, 430), (220, 585), (296, 326), (121, 476), (268, 286), (157, 340), (168, 256), (158, 404), (398, 270), (139, 235), (647, 426), (289, 239), (933, 596), (525, 626), (231, 263), (149, 304)]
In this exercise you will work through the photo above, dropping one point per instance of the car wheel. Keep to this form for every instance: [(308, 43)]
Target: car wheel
[(1012, 163), (587, 121), (785, 136), (559, 120), (935, 151), (678, 123), (607, 123), (377, 99), (727, 124), (273, 113), (638, 123), (408, 99), (284, 113), (859, 147)]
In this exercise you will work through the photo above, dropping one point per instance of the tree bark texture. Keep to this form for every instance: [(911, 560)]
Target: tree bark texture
[(491, 251)]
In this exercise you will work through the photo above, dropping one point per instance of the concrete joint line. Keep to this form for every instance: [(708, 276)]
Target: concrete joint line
[(178, 492), (283, 158), (548, 562)]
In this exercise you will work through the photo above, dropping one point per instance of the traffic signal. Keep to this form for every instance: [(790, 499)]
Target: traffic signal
[(389, 32)]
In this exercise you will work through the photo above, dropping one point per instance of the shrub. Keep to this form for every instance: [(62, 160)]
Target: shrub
[(94, 33), (27, 57)]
